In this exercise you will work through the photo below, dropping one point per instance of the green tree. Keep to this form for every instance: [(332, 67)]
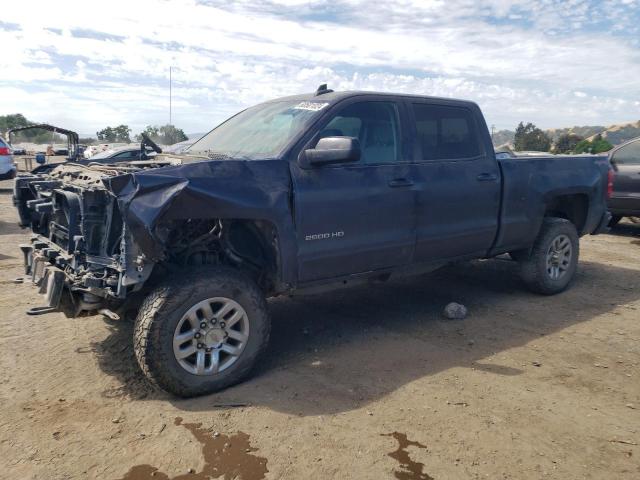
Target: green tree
[(15, 120), (165, 134), (106, 135), (601, 145), (7, 122), (152, 132), (583, 147), (530, 137), (115, 134), (597, 145), (566, 143), (170, 135)]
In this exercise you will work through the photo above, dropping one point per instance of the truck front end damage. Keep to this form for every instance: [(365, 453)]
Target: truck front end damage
[(81, 243), (101, 232)]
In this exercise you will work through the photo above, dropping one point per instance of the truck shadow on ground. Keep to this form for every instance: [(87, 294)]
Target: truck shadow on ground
[(626, 228), (339, 351), (10, 228)]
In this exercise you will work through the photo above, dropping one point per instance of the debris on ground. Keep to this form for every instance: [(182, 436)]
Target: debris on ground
[(624, 442), (455, 311)]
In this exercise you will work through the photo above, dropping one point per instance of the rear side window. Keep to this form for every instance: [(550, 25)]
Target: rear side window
[(374, 124), (445, 133), (628, 155)]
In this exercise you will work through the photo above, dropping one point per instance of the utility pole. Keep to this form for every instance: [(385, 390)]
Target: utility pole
[(493, 132), (170, 95)]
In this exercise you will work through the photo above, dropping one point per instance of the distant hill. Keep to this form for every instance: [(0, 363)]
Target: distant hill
[(584, 132), (615, 134)]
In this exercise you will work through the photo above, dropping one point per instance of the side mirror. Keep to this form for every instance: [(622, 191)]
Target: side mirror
[(333, 150)]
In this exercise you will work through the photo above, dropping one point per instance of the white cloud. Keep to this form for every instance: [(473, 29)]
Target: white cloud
[(515, 58)]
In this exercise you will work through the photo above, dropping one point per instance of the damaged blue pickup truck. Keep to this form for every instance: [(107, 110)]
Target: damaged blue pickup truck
[(290, 196)]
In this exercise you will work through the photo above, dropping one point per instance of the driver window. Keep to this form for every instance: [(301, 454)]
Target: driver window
[(374, 124)]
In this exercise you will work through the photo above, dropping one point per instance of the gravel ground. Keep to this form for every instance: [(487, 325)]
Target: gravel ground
[(366, 383)]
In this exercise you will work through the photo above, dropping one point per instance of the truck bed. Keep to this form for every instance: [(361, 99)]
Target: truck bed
[(529, 184)]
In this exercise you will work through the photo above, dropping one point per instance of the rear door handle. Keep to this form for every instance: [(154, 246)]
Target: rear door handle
[(487, 177), (400, 182)]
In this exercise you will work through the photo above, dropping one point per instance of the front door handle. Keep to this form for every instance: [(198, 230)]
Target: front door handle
[(400, 182), (487, 177)]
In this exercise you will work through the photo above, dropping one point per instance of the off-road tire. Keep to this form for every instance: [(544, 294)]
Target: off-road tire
[(533, 268), (164, 307)]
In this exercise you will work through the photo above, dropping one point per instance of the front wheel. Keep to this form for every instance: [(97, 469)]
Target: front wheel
[(553, 260), (201, 332)]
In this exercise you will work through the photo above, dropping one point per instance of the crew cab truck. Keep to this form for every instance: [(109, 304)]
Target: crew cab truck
[(290, 196)]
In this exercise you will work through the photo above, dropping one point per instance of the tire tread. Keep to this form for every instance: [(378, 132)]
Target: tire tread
[(166, 298), (530, 266)]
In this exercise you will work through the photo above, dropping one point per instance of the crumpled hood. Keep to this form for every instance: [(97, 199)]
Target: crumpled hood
[(238, 189)]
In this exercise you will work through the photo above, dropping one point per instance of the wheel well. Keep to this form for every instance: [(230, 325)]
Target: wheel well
[(570, 207), (254, 245), (251, 245)]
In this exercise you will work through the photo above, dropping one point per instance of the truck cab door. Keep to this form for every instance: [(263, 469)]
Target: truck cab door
[(625, 199), (356, 217), (458, 181)]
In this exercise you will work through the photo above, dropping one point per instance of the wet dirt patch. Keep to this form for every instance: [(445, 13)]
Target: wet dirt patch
[(409, 469), (226, 456)]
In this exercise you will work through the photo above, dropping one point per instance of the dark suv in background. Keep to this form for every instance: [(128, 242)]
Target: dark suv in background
[(625, 199)]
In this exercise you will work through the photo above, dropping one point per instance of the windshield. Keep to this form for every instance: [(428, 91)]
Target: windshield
[(104, 154), (259, 132)]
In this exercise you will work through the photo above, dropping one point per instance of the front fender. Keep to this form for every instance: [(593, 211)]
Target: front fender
[(228, 189)]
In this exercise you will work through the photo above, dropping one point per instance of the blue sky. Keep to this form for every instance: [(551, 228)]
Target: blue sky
[(86, 65)]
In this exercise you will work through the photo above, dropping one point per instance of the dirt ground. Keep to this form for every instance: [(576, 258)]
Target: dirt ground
[(367, 383)]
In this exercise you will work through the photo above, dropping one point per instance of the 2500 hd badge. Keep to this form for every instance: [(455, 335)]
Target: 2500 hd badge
[(324, 236)]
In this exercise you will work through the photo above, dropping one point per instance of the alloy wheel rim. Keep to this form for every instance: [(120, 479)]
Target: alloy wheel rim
[(559, 257), (211, 336)]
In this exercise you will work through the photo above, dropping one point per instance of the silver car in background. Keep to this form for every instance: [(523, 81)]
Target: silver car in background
[(7, 165)]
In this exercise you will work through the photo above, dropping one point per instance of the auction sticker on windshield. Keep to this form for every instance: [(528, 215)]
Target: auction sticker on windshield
[(313, 106)]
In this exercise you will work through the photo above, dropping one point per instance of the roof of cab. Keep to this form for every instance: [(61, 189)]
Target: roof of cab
[(333, 97)]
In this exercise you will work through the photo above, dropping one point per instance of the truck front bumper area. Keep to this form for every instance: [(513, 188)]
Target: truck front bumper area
[(50, 269), (49, 279)]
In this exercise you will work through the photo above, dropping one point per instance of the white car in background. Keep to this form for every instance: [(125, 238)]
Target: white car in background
[(7, 165)]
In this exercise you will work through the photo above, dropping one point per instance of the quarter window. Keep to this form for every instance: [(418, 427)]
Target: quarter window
[(628, 155), (374, 124), (445, 133)]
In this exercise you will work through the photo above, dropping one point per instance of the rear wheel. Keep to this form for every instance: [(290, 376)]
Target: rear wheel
[(201, 332), (552, 262)]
